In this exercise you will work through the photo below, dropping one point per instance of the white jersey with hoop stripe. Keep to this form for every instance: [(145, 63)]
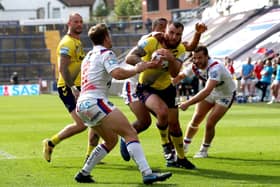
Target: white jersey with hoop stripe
[(96, 68), (215, 71)]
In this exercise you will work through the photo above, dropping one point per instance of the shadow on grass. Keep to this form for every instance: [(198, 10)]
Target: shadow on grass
[(245, 178), (119, 167), (249, 178), (249, 161), (165, 184)]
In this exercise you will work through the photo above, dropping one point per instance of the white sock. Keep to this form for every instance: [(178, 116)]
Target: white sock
[(95, 157), (136, 152), (204, 147), (187, 140)]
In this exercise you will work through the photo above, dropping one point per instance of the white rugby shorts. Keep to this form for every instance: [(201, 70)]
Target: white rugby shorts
[(225, 101), (92, 111)]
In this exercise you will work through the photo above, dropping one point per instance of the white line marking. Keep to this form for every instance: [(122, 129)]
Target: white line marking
[(6, 155)]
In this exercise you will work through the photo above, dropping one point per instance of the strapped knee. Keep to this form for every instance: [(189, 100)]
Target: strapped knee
[(193, 127)]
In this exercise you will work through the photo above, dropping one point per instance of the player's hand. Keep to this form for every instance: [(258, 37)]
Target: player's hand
[(142, 66), (154, 64), (184, 106), (200, 28), (175, 81), (166, 55), (75, 91)]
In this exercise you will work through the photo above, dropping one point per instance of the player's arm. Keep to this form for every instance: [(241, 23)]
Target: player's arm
[(199, 29), (201, 95), (178, 78), (134, 55), (63, 69), (68, 79), (174, 67), (121, 73), (185, 72)]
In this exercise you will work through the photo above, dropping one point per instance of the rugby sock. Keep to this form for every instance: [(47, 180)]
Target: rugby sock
[(95, 157), (163, 131), (204, 147), (178, 144), (136, 152), (55, 139), (187, 142)]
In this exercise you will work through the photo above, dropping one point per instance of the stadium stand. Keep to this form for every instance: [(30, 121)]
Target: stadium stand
[(262, 48), (30, 50), (222, 26), (23, 50), (239, 35)]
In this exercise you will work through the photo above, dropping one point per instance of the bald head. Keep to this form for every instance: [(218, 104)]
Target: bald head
[(73, 16), (75, 24)]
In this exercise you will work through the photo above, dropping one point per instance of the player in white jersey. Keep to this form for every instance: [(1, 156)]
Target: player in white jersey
[(98, 68), (216, 97)]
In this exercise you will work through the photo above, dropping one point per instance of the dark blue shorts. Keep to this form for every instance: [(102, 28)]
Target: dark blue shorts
[(168, 95), (65, 94)]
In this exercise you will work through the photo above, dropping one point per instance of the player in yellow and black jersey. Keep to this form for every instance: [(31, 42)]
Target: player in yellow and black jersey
[(156, 91), (70, 54)]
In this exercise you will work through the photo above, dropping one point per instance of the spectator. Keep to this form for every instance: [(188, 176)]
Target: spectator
[(257, 74), (258, 68), (265, 80), (246, 77), (14, 78), (229, 65), (276, 83), (148, 25)]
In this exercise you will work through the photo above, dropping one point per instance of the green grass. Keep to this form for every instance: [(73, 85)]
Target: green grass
[(245, 151)]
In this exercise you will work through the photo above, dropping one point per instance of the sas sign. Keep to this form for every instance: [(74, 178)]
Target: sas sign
[(22, 89)]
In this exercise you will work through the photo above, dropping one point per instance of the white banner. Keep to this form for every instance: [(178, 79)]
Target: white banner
[(21, 89)]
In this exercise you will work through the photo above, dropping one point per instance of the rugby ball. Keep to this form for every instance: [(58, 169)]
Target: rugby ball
[(156, 56)]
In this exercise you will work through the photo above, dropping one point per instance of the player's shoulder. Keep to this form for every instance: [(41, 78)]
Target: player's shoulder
[(108, 53), (67, 41), (181, 48), (216, 61), (215, 64), (148, 41), (109, 56)]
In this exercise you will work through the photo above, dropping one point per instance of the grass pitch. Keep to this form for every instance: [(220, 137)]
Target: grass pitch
[(245, 151)]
